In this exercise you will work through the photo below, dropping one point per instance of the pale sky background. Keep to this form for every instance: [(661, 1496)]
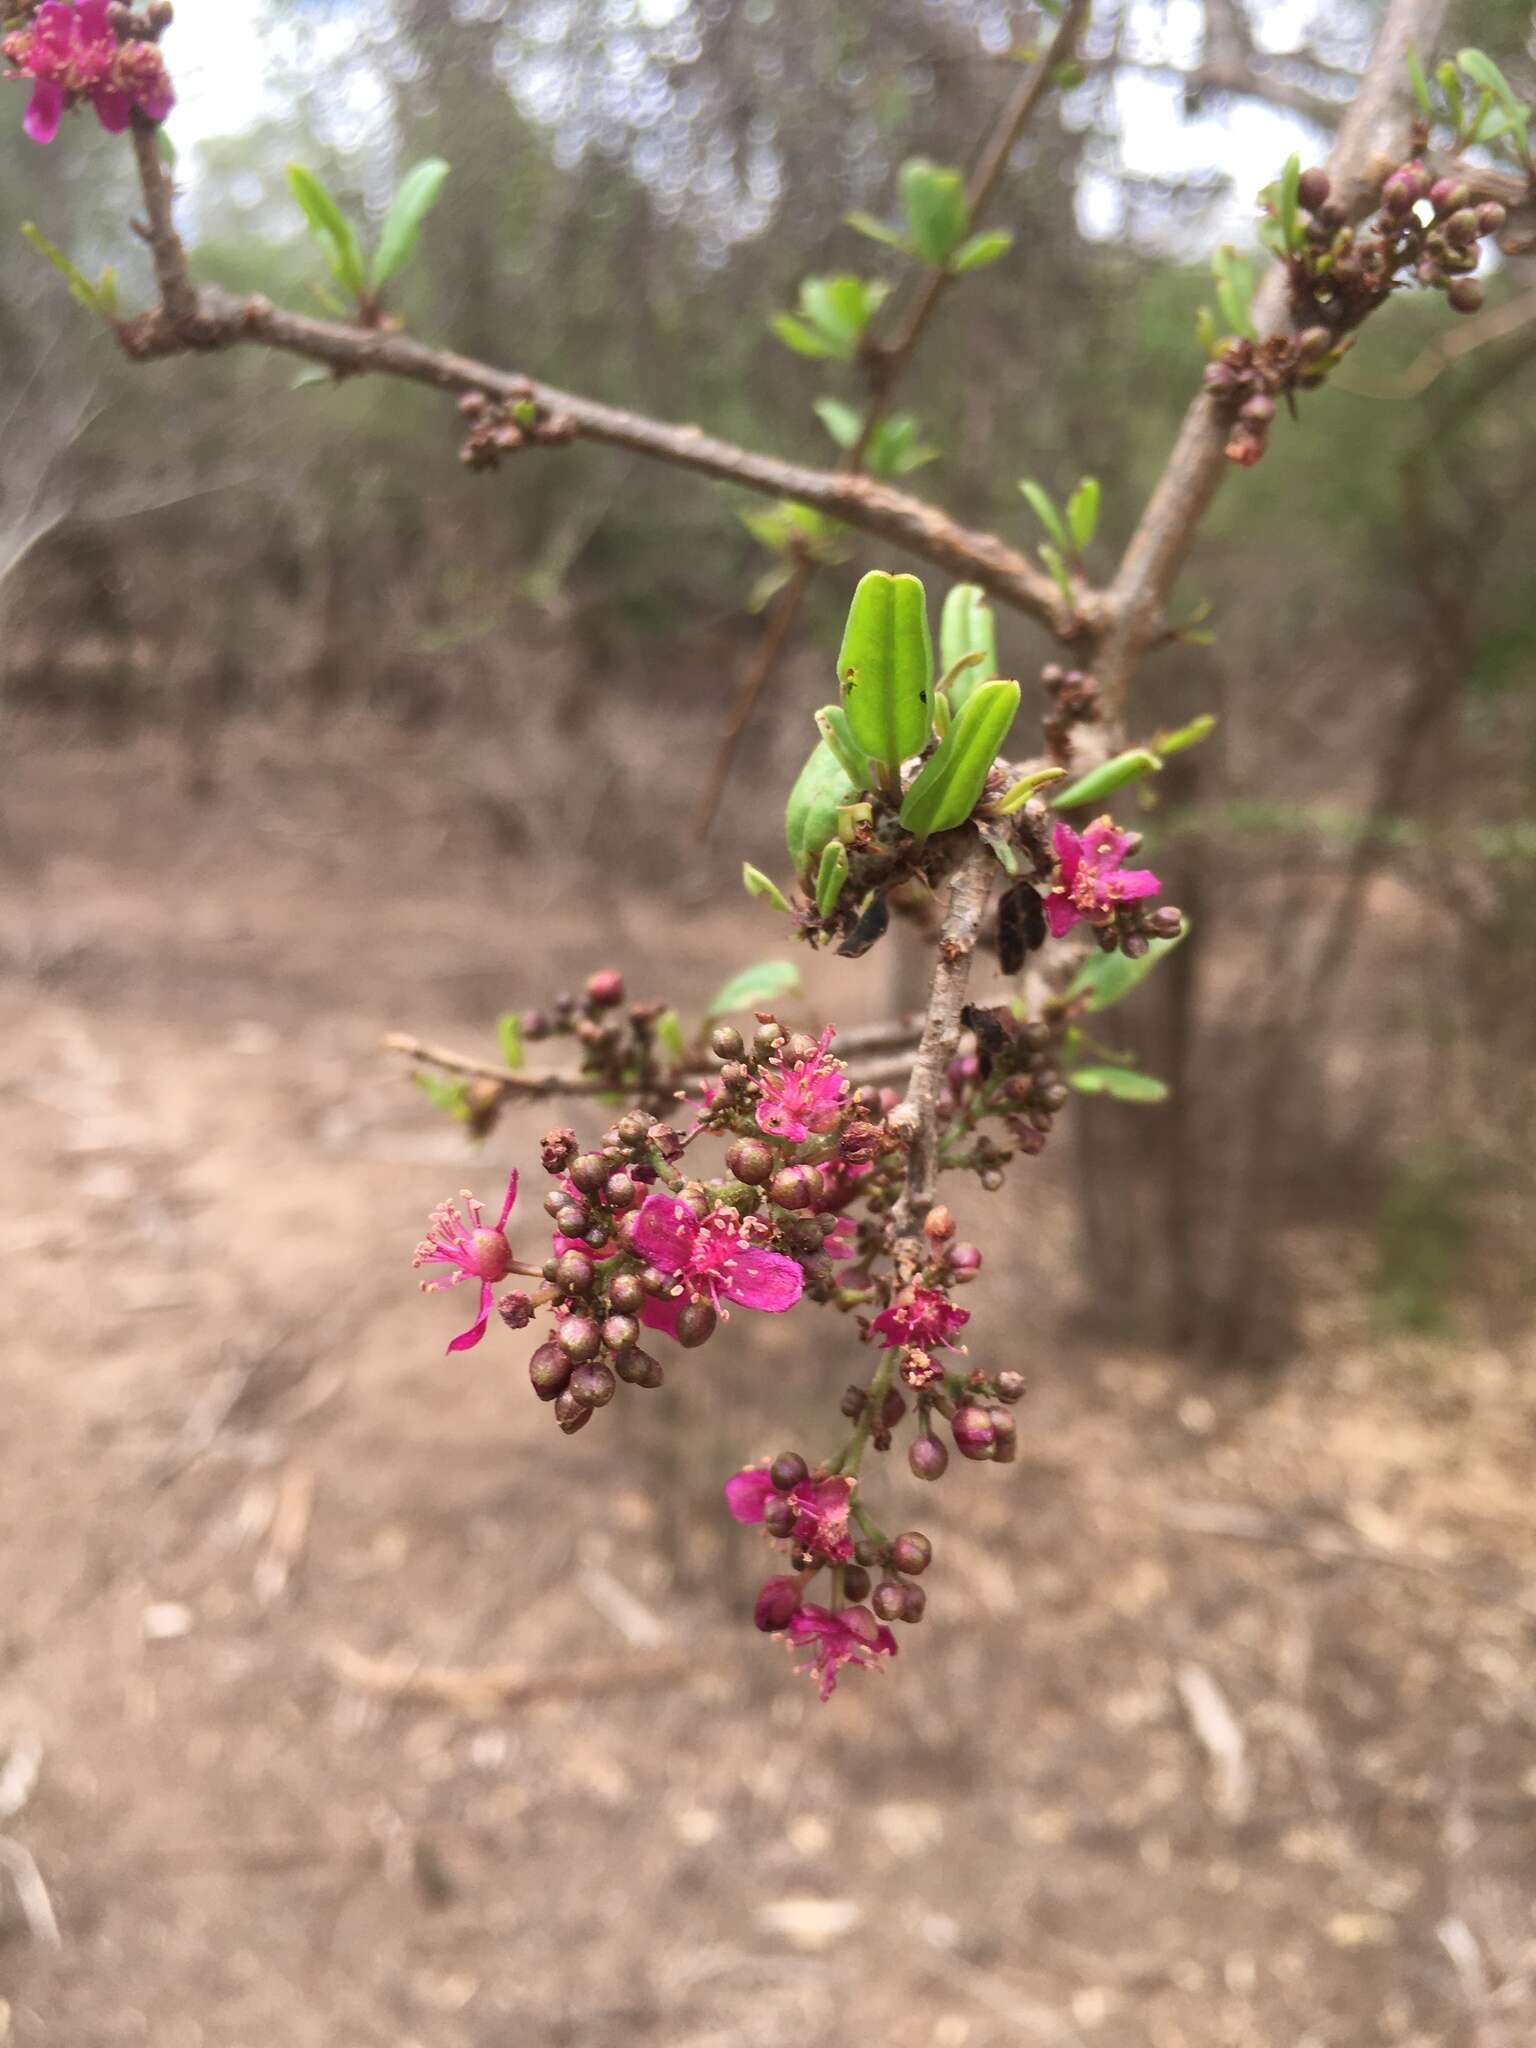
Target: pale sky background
[(222, 55)]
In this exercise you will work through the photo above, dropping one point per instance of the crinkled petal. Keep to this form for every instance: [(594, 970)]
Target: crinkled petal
[(468, 1339), (92, 17), (748, 1493), (780, 1122), (664, 1232), (1104, 844), (113, 109), (661, 1312), (44, 111), (1061, 913), (1068, 849), (1128, 883), (765, 1280)]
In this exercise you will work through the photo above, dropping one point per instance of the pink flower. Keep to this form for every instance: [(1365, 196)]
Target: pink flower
[(801, 1096), (851, 1636), (714, 1260), (473, 1249), (821, 1522), (1092, 879), (71, 54), (925, 1317)]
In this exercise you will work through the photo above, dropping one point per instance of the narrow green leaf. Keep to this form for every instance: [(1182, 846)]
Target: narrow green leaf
[(1420, 84), (331, 228), (1108, 978), (1109, 776), (943, 716), (841, 420), (1044, 508), (877, 230), (1449, 80), (933, 200), (1083, 513), (1484, 73), (804, 340), (810, 817), (1125, 1084), (1060, 576), (1183, 736), (885, 667), (1205, 331), (415, 199), (1018, 794), (509, 1036), (81, 290), (832, 724), (755, 987), (979, 250), (756, 883), (451, 1096), (831, 876), (1290, 205), (967, 626), (952, 779)]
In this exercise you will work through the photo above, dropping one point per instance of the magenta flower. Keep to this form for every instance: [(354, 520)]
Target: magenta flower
[(1092, 880), (821, 1522), (924, 1316), (851, 1636), (474, 1250), (713, 1260), (801, 1096), (71, 54)]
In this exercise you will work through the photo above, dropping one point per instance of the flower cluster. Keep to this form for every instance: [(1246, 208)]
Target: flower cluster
[(92, 53)]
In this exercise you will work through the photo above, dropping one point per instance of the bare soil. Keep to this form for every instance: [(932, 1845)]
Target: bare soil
[(369, 1710)]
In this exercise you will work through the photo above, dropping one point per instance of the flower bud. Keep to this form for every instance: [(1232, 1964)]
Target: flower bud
[(654, 1282), (914, 1600), (696, 1322), (1464, 295), (868, 1551), (751, 1161), (892, 1408), (1312, 188), (621, 1332), (973, 1432), (788, 1471), (939, 1224), (592, 1385), (856, 1582), (549, 1369), (777, 1601), (619, 1191), (780, 1516), (911, 1552), (605, 988), (767, 1038), (578, 1338), (557, 1148), (570, 1414), (796, 1187), (574, 1273), (964, 1258), (1461, 229), (1490, 217), (927, 1458), (1005, 1433), (1011, 1386), (638, 1368), (634, 1128), (1450, 195), (725, 1042), (1260, 408), (1165, 923), (572, 1220), (890, 1597)]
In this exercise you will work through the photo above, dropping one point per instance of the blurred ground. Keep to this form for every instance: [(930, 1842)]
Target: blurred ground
[(1222, 1729)]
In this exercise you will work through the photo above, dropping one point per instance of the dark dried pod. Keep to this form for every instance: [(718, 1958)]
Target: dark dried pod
[(1020, 927), (871, 926)]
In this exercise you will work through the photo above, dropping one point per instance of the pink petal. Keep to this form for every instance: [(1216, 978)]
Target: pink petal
[(778, 1122), (664, 1232), (809, 1623), (1104, 845), (45, 111), (112, 109), (1068, 849), (765, 1280), (1061, 913), (748, 1493), (506, 1207), (1128, 883), (92, 18), (468, 1339), (661, 1312)]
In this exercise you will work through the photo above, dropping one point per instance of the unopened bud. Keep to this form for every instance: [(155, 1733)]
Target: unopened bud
[(751, 1161), (578, 1338), (549, 1369), (621, 1332), (856, 1582), (1011, 1386), (605, 988), (911, 1552), (1464, 295), (625, 1293), (927, 1458), (1312, 188), (780, 1516), (1005, 1434), (725, 1042), (914, 1601), (973, 1432), (696, 1322), (574, 1273), (516, 1309), (592, 1385), (777, 1602), (964, 1258), (1491, 217), (788, 1471), (570, 1414), (890, 1597), (939, 1224)]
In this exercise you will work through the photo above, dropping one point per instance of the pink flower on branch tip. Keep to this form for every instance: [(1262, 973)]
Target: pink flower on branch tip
[(923, 1316), (801, 1097), (850, 1636), (1092, 880), (473, 1249), (821, 1510), (713, 1260), (72, 54)]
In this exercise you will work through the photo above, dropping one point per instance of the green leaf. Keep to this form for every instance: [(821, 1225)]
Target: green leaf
[(943, 715), (1125, 1084), (331, 228), (1484, 73), (1205, 331), (1108, 978), (1044, 508), (896, 447), (1018, 794), (451, 1096), (509, 1036), (1083, 513), (1109, 776), (415, 199), (1234, 291), (1420, 84), (1183, 736), (756, 883), (877, 230), (831, 876), (803, 339), (952, 779), (755, 987), (1052, 558), (841, 420), (840, 308), (966, 625), (885, 667), (1449, 79), (933, 200), (81, 290), (979, 250), (669, 1037), (1290, 205), (810, 817), (832, 724)]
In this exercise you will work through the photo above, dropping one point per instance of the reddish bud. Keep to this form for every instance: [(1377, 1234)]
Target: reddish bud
[(1011, 1386), (1464, 295), (788, 1471), (890, 1598), (578, 1338), (856, 1582), (777, 1601), (605, 988), (751, 1161), (973, 1432), (696, 1322), (927, 1458), (1312, 188), (592, 1385), (549, 1369), (914, 1601), (911, 1552)]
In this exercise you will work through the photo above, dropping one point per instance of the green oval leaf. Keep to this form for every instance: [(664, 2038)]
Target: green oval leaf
[(331, 229), (933, 200), (509, 1036), (1083, 512), (841, 420), (885, 667), (946, 789), (1109, 776), (1125, 1084), (417, 196), (1183, 736), (755, 987), (832, 724), (802, 338), (831, 876), (1043, 505), (966, 626), (977, 251), (810, 817)]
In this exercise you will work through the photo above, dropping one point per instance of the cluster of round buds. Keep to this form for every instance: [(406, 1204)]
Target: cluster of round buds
[(1252, 376), (895, 1595), (502, 427), (979, 1412), (1075, 701), (1446, 245), (146, 25), (618, 1039)]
